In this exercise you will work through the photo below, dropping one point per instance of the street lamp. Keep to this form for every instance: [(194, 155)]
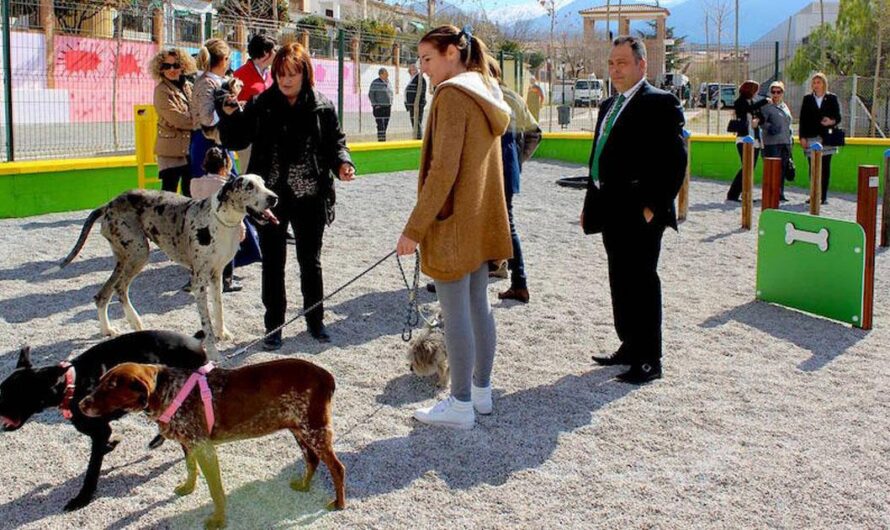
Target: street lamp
[(550, 6)]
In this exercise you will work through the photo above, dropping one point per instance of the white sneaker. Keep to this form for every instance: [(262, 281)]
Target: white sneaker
[(448, 413), (481, 399)]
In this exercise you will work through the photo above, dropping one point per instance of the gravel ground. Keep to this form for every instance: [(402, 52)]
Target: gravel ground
[(766, 417)]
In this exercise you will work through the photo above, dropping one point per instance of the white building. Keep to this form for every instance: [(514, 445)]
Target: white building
[(324, 8), (789, 34)]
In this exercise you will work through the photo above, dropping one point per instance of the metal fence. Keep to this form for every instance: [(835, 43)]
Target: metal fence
[(77, 71)]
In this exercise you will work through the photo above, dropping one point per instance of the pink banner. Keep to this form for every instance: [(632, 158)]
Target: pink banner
[(86, 67)]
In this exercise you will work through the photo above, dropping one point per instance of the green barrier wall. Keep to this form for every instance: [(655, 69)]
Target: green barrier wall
[(27, 194)]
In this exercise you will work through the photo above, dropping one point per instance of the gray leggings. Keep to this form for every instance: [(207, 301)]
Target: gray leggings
[(469, 331)]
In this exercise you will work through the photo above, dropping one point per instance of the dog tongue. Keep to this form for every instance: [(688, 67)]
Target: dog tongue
[(270, 216)]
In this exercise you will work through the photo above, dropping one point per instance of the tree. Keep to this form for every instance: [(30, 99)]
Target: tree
[(264, 10), (535, 60), (850, 45), (674, 61)]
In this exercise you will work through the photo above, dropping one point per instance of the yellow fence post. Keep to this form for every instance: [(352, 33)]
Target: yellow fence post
[(146, 123)]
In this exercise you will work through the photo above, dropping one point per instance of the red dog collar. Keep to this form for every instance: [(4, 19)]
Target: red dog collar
[(70, 376)]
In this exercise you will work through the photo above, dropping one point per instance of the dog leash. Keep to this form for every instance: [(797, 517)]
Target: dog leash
[(245, 348)]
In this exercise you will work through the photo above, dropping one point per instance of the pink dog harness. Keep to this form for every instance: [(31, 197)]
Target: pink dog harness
[(198, 377)]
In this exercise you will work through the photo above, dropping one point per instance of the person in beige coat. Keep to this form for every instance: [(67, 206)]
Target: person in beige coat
[(460, 218), (171, 102)]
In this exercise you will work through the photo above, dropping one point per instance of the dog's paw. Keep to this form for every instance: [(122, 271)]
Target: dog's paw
[(226, 335), (78, 502), (110, 331), (184, 489), (109, 447), (214, 522), (299, 484), (334, 506)]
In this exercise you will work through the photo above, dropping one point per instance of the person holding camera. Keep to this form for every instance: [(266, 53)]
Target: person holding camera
[(171, 102), (777, 135), (298, 147), (746, 123), (213, 59)]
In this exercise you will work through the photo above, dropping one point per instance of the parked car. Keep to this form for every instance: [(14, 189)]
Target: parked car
[(588, 92), (708, 92)]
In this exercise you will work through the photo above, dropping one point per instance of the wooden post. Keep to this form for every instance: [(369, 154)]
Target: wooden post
[(867, 217), (815, 178), (396, 63), (747, 181), (885, 208), (683, 197), (304, 40), (47, 17), (157, 27), (772, 184)]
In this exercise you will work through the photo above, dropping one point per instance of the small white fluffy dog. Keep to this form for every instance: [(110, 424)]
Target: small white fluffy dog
[(427, 354)]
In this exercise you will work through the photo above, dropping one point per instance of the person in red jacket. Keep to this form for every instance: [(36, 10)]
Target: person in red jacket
[(255, 76)]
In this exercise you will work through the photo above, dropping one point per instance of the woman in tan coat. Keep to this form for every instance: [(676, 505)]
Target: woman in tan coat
[(460, 219), (171, 101)]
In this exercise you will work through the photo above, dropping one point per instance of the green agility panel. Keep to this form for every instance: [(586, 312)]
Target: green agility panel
[(810, 263)]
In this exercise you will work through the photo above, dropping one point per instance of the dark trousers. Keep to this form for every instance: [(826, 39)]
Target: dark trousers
[(307, 217), (516, 263), (381, 114), (171, 177), (633, 248), (416, 127), (826, 173), (783, 152), (735, 189)]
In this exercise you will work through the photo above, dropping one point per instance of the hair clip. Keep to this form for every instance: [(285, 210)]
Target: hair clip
[(468, 32)]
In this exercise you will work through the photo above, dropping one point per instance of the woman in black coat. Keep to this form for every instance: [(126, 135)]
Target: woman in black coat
[(297, 149), (819, 112), (747, 107)]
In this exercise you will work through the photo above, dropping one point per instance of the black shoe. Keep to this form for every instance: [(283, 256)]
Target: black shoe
[(619, 357), (272, 342), (319, 332), (232, 286), (825, 201), (156, 442), (431, 287), (730, 199), (782, 198), (641, 374)]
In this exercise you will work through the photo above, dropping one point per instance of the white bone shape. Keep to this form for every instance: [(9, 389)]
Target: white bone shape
[(820, 238)]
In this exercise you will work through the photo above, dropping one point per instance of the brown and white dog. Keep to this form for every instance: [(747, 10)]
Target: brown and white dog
[(248, 402), (200, 235)]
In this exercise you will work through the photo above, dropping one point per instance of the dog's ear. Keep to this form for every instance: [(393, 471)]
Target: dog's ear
[(24, 358), (226, 190), (138, 388)]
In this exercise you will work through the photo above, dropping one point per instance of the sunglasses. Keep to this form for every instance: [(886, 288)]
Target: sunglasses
[(171, 66), (776, 91)]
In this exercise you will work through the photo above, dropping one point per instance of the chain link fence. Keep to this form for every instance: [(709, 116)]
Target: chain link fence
[(78, 70)]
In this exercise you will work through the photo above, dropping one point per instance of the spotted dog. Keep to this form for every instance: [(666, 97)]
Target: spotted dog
[(247, 402), (201, 235)]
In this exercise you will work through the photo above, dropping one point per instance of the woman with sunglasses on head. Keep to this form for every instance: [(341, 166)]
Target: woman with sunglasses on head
[(171, 101), (213, 59), (777, 135)]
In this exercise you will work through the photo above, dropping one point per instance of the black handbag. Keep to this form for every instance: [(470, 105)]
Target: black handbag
[(594, 211), (736, 126), (789, 170), (835, 137)]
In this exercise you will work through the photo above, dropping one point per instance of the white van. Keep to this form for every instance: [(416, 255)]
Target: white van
[(588, 92)]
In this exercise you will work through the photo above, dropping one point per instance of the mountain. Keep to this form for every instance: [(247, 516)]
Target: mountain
[(756, 17)]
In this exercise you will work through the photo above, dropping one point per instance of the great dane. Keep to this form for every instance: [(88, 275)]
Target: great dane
[(201, 235)]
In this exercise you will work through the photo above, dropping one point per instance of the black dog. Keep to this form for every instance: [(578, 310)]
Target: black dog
[(29, 390)]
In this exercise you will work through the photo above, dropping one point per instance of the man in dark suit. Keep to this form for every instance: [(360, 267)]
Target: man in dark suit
[(415, 100), (639, 160)]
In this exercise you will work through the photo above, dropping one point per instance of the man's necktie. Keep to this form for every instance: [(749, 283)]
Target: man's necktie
[(604, 137)]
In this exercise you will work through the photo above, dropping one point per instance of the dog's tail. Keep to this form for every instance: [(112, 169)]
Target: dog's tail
[(84, 232)]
